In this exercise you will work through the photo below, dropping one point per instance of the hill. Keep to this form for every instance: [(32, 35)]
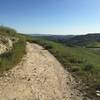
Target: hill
[(84, 40), (12, 48), (82, 63), (89, 40), (58, 38), (55, 38), (38, 75)]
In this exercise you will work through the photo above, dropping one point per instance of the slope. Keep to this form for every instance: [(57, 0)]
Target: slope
[(39, 76)]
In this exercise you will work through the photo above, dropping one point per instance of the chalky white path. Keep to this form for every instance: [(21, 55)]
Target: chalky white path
[(39, 76)]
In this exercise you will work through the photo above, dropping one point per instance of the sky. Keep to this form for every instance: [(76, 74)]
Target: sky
[(51, 16)]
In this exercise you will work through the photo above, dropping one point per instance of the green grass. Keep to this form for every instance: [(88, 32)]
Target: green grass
[(94, 45), (13, 57), (83, 63)]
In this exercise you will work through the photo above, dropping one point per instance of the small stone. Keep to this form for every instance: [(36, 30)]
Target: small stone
[(98, 93), (14, 99), (29, 79)]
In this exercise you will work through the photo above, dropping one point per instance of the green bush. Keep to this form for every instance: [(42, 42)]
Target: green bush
[(75, 60), (47, 46), (72, 60), (75, 69), (88, 67)]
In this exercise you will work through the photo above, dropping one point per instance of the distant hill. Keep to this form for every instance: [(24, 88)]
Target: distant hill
[(40, 34), (87, 40), (84, 40), (57, 38)]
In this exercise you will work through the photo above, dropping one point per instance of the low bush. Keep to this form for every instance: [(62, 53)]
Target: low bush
[(48, 47), (75, 69), (75, 60), (88, 67)]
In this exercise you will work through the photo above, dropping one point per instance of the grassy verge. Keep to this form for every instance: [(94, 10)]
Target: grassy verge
[(84, 64), (13, 57)]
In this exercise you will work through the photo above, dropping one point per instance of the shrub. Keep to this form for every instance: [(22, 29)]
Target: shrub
[(88, 67), (75, 69), (72, 60), (75, 60), (48, 47)]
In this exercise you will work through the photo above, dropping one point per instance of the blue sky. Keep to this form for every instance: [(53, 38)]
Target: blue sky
[(51, 16)]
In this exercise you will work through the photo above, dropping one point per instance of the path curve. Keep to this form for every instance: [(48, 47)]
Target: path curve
[(39, 76)]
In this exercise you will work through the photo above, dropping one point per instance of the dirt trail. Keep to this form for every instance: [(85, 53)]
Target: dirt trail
[(39, 76)]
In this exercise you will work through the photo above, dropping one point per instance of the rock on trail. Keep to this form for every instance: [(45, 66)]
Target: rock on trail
[(39, 76)]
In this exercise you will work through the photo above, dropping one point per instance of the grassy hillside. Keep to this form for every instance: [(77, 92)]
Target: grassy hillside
[(75, 40), (58, 38), (7, 31), (12, 57), (84, 40), (83, 63)]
